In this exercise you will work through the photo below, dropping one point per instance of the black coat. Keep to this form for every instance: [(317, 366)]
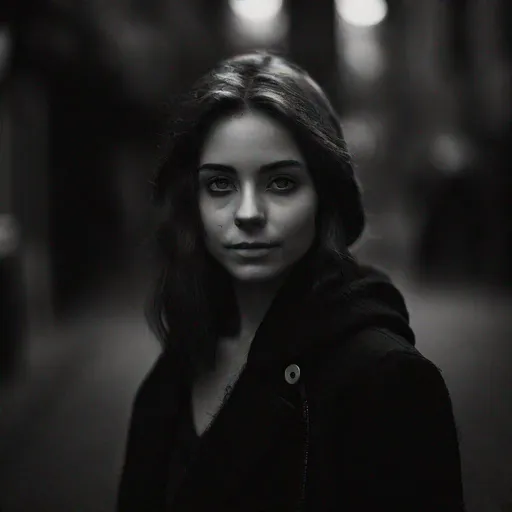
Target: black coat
[(367, 426)]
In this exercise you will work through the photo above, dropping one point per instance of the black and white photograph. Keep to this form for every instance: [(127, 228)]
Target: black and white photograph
[(255, 256)]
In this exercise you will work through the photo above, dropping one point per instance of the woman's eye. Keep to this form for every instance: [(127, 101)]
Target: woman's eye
[(219, 185), (282, 184), (224, 185)]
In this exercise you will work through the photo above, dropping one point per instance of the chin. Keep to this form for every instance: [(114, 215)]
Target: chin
[(255, 274)]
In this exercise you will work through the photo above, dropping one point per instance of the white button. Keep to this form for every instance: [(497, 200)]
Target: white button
[(292, 374)]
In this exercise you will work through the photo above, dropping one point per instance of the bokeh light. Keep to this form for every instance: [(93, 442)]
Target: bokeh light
[(256, 10), (362, 13)]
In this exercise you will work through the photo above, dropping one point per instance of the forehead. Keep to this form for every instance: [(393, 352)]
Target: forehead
[(247, 141)]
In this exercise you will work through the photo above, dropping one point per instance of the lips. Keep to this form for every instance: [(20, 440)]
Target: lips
[(252, 246), (253, 254)]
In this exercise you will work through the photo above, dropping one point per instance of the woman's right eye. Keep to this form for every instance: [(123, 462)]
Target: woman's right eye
[(219, 185)]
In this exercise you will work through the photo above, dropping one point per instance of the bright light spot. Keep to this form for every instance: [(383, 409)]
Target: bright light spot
[(257, 23), (256, 10), (451, 152), (245, 33), (362, 13), (362, 53)]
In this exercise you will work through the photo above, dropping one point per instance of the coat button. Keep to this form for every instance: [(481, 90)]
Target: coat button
[(292, 374)]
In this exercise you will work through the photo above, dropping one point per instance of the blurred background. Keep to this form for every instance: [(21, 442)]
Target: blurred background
[(424, 91)]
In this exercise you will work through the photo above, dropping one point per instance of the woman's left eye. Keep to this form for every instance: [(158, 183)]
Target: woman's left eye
[(282, 184)]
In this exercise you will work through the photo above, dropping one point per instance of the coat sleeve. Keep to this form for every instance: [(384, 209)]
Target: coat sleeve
[(403, 443)]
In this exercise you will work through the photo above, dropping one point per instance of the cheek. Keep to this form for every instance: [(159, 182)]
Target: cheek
[(298, 220), (214, 222)]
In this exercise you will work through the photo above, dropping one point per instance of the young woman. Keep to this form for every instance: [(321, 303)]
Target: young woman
[(289, 379)]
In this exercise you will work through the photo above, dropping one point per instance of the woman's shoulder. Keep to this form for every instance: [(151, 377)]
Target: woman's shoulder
[(364, 355)]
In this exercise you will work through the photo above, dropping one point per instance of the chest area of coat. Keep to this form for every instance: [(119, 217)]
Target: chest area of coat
[(261, 441), (210, 392)]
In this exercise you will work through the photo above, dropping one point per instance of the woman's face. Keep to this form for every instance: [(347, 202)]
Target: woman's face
[(255, 188)]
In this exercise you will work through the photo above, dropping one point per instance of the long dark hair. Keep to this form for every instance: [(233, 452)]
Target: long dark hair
[(193, 303)]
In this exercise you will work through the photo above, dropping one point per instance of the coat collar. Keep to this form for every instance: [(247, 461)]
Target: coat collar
[(316, 309)]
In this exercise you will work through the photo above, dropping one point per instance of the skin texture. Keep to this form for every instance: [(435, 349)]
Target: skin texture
[(251, 204)]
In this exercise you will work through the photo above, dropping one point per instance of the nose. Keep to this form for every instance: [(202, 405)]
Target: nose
[(249, 213)]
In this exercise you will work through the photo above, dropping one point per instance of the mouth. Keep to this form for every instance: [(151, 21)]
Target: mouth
[(248, 246)]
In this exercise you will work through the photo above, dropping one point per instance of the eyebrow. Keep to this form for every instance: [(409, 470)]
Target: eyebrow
[(280, 164)]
